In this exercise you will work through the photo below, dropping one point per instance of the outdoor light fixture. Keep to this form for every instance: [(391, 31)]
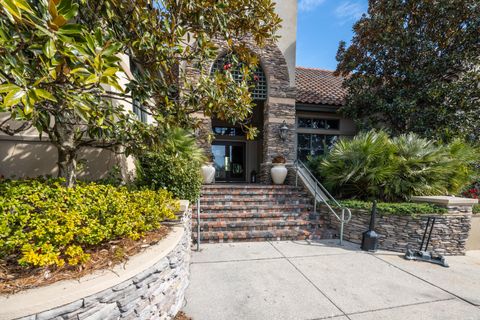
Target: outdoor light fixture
[(283, 131)]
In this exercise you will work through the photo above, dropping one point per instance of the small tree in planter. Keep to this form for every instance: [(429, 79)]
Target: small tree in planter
[(279, 171)]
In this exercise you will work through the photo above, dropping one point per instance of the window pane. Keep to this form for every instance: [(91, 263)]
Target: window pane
[(315, 123), (318, 124), (302, 154), (330, 141), (304, 123), (303, 141), (228, 131), (318, 144), (332, 124)]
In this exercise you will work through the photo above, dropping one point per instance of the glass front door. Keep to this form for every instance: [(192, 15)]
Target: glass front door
[(229, 161)]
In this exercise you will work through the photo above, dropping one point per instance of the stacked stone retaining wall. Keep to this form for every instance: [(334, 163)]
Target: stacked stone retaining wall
[(156, 293), (449, 236)]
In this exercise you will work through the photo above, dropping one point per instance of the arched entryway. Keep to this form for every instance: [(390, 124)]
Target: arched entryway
[(275, 104), (236, 158)]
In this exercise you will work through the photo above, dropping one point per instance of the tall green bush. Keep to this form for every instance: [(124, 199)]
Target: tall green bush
[(174, 165), (373, 165), (43, 223)]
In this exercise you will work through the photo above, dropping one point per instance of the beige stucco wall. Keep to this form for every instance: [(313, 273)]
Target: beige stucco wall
[(473, 242), (26, 155), (32, 158), (287, 10)]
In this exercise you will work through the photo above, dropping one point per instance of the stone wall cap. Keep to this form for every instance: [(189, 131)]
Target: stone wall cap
[(36, 300), (184, 204), (446, 200)]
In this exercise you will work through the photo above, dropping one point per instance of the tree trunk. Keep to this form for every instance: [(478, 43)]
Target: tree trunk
[(67, 148), (67, 166)]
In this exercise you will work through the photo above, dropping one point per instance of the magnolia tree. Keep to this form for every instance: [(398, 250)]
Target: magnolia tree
[(415, 66), (164, 39), (60, 67)]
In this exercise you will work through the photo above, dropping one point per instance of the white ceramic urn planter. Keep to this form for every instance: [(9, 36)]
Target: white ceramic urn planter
[(279, 173), (208, 173)]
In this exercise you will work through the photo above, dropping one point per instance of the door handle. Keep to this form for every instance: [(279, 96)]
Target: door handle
[(227, 164)]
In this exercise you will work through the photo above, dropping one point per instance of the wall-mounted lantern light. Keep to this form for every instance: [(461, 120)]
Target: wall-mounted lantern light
[(283, 131)]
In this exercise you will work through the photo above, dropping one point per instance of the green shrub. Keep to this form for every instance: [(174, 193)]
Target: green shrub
[(373, 165), (476, 209), (395, 208), (174, 165), (176, 174), (44, 223)]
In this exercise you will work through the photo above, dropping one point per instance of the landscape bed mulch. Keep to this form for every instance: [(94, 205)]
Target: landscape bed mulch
[(182, 316), (14, 278)]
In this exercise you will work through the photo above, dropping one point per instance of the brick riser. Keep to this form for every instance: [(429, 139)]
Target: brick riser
[(231, 213)]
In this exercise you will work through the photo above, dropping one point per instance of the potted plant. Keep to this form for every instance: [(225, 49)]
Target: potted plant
[(278, 171), (208, 170)]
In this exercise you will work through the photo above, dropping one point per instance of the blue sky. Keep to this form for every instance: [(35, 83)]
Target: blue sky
[(321, 26)]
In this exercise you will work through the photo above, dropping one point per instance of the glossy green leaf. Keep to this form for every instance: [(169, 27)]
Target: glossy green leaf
[(44, 94), (110, 71), (8, 87), (71, 29), (49, 49), (13, 97)]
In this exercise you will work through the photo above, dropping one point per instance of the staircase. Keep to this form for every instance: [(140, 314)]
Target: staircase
[(249, 212)]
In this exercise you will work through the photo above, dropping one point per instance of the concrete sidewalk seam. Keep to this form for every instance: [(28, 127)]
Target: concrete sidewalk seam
[(272, 258), (400, 306), (426, 281), (311, 282), (239, 260)]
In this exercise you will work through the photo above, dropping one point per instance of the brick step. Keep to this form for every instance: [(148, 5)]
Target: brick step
[(255, 199), (237, 236), (248, 186), (251, 225), (256, 208), (252, 193), (255, 204), (238, 216)]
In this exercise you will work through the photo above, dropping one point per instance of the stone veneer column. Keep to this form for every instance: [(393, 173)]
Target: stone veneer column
[(279, 107), (278, 110)]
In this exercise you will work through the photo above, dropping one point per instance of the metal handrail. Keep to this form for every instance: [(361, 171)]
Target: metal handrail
[(309, 177), (198, 224)]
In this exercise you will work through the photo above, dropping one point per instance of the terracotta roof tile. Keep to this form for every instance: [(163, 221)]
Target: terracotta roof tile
[(317, 86)]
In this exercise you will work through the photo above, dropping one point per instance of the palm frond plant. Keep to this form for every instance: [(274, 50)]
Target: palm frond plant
[(359, 167), (373, 165)]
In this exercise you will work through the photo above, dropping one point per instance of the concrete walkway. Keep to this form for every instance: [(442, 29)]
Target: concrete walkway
[(301, 280)]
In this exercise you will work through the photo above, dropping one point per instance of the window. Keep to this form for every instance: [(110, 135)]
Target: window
[(228, 131), (315, 123), (136, 107), (259, 87), (141, 114), (309, 144)]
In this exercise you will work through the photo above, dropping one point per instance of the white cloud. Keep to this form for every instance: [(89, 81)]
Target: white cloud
[(349, 11), (309, 5)]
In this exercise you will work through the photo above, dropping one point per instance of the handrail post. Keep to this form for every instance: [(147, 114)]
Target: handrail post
[(341, 226), (296, 174), (315, 201), (198, 224)]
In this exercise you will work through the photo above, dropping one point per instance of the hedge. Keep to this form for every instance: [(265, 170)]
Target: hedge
[(43, 223), (395, 208)]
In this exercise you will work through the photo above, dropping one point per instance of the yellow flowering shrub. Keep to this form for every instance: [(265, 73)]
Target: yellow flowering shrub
[(45, 224)]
